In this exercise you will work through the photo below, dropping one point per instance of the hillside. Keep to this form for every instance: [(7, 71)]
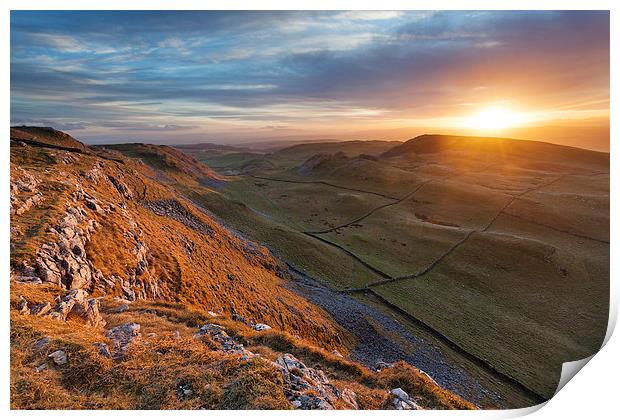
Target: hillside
[(353, 147), (495, 251), (236, 162), (126, 294)]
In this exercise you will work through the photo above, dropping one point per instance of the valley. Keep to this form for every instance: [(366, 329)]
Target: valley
[(497, 248)]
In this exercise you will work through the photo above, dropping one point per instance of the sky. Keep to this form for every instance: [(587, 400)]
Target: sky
[(238, 77)]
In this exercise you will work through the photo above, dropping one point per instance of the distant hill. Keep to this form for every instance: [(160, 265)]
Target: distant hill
[(350, 148), (492, 148), (211, 146), (46, 136)]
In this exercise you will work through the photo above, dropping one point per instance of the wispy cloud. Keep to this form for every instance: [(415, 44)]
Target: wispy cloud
[(204, 73)]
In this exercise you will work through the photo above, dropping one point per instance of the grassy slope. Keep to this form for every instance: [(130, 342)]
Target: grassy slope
[(302, 152), (508, 301), (166, 358), (201, 277), (408, 236), (304, 253), (282, 236), (313, 207), (286, 158), (395, 241)]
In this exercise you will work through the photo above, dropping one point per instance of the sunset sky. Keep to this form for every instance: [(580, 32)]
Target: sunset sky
[(234, 77)]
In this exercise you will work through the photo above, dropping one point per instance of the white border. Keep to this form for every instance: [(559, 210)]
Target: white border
[(592, 394)]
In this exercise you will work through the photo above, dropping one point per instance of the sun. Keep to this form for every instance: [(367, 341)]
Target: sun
[(493, 119)]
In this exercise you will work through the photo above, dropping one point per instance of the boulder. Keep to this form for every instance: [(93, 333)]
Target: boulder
[(59, 357), (41, 309), (22, 306), (92, 204), (261, 327), (121, 187), (121, 308), (382, 365), (400, 400), (350, 399)]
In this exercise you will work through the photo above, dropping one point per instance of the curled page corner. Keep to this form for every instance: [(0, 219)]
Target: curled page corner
[(569, 370)]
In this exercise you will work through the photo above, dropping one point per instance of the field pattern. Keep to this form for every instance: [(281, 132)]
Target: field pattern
[(503, 257)]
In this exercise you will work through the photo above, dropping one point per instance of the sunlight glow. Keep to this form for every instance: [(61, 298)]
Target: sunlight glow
[(494, 118)]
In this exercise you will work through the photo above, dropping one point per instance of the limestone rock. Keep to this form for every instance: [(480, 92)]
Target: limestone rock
[(382, 365), (349, 398), (59, 357), (121, 187), (63, 262), (41, 309), (77, 303), (22, 306), (261, 327), (306, 388), (121, 308), (40, 344), (217, 334), (401, 400)]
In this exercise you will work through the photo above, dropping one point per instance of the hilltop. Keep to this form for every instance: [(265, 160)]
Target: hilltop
[(127, 293), (495, 148)]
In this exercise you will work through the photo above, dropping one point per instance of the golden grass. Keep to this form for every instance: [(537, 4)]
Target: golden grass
[(168, 369)]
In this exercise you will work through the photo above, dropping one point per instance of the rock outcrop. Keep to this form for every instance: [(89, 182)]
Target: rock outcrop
[(24, 193), (174, 210), (307, 388), (63, 261), (215, 333), (76, 304)]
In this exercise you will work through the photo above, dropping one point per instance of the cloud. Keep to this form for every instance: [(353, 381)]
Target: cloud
[(148, 70), (370, 14), (63, 43)]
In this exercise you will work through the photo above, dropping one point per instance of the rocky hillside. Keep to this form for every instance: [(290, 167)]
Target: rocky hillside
[(124, 294)]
